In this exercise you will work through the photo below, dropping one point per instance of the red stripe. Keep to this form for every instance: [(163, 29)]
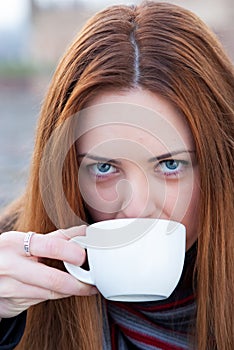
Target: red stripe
[(168, 305), (150, 340), (134, 311)]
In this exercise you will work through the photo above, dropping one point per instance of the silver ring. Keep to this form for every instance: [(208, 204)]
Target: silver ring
[(27, 240)]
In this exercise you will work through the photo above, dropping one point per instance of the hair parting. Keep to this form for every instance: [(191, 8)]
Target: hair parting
[(164, 49)]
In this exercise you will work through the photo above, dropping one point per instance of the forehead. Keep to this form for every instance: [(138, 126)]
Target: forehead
[(131, 119)]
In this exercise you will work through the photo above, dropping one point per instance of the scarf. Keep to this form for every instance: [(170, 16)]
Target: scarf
[(163, 325)]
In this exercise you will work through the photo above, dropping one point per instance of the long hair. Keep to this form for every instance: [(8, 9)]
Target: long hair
[(167, 50)]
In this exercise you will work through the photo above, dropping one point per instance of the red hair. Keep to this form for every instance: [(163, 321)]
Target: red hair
[(167, 50)]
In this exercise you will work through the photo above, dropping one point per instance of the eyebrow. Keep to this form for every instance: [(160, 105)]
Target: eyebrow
[(98, 158), (114, 161), (169, 155)]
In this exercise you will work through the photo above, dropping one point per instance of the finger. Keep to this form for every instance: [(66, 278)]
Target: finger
[(13, 307), (55, 280), (47, 245), (70, 232), (57, 248), (13, 289)]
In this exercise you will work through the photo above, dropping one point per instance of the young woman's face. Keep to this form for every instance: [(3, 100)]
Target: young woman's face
[(137, 159)]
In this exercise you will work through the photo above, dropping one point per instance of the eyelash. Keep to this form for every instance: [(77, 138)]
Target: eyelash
[(91, 168), (181, 165)]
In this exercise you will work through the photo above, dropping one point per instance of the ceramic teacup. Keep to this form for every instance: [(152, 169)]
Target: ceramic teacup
[(133, 260)]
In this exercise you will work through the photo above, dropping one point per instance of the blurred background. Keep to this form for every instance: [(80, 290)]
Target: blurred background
[(33, 36)]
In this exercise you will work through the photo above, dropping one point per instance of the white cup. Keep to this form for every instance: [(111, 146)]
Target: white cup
[(133, 260)]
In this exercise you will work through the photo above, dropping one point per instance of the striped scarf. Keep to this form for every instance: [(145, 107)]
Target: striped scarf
[(164, 325)]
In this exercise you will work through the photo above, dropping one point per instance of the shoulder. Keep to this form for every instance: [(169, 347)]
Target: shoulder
[(11, 331)]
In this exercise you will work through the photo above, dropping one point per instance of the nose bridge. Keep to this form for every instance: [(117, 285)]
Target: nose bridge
[(137, 201)]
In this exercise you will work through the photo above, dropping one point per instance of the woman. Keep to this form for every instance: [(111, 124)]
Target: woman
[(164, 59)]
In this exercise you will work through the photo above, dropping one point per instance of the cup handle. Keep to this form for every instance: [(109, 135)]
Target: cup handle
[(77, 271)]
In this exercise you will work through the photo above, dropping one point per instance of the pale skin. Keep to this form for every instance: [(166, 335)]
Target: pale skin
[(125, 171), (138, 169), (26, 282)]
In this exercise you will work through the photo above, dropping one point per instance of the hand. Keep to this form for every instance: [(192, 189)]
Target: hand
[(24, 281)]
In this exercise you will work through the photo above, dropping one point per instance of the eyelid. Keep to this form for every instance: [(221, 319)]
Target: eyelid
[(98, 163), (186, 160), (162, 171), (180, 161), (101, 175), (97, 159)]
